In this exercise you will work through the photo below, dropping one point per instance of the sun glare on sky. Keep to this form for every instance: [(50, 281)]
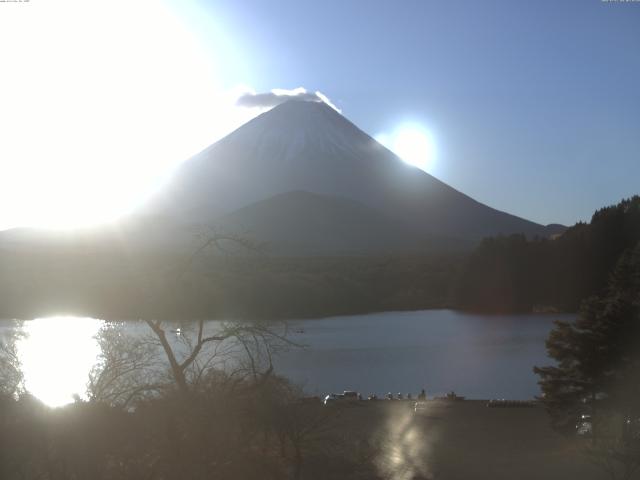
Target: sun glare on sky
[(100, 100)]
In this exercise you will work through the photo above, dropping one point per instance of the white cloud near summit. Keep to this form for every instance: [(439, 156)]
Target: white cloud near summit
[(277, 96)]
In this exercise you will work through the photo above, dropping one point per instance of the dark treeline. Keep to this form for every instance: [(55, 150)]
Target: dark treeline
[(316, 286), (116, 284), (507, 274)]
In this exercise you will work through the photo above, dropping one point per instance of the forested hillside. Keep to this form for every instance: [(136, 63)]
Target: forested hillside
[(113, 284), (512, 273)]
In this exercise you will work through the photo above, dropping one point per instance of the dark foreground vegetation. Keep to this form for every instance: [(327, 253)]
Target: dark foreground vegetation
[(194, 405), (224, 430), (256, 432)]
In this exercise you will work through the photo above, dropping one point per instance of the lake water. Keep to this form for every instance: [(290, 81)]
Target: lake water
[(478, 356)]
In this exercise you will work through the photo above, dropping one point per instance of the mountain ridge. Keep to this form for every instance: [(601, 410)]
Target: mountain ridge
[(308, 146)]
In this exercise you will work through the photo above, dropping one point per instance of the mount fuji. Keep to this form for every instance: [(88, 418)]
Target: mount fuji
[(306, 180)]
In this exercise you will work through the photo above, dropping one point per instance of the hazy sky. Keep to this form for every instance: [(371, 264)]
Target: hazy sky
[(533, 107)]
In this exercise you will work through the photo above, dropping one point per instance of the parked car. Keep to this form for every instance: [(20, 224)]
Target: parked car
[(340, 397), (350, 395)]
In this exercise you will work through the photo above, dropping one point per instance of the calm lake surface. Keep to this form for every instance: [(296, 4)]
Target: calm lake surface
[(479, 356)]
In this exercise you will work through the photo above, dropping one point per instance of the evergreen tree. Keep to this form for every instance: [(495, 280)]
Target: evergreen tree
[(598, 355)]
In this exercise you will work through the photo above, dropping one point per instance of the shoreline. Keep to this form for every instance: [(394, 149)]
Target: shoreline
[(117, 319)]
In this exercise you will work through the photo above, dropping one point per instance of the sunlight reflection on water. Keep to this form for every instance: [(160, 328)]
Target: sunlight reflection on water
[(406, 451), (56, 355)]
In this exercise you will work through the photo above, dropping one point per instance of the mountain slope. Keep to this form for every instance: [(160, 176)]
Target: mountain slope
[(305, 146), (303, 223)]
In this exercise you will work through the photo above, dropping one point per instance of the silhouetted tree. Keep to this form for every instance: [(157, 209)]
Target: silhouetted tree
[(128, 369), (131, 367), (598, 368), (252, 343), (10, 372), (598, 354)]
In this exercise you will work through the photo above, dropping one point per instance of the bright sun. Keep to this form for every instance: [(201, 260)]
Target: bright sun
[(414, 147), (412, 144), (100, 100)]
